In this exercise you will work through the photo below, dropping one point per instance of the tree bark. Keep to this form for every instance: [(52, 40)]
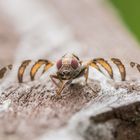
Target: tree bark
[(99, 110)]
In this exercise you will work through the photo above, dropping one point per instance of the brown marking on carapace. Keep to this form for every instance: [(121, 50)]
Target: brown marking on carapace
[(105, 65), (22, 69), (121, 67)]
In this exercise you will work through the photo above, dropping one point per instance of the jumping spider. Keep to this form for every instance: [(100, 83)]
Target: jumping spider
[(70, 67)]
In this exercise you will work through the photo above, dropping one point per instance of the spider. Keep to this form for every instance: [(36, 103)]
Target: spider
[(69, 67)]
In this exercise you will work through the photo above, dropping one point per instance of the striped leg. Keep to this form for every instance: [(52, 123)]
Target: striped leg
[(37, 66), (34, 68), (21, 70), (100, 62), (23, 67), (105, 65), (96, 63), (121, 68), (4, 70), (133, 64)]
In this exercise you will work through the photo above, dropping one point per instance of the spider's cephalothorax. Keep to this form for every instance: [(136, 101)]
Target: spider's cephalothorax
[(70, 67)]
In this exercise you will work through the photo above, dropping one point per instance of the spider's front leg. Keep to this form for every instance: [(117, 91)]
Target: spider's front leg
[(86, 73), (59, 91), (60, 85)]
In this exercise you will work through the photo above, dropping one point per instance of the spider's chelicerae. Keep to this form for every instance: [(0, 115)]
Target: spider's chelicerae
[(70, 67)]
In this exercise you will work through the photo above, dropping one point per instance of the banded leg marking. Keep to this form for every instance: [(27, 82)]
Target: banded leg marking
[(105, 65), (133, 64), (94, 65), (3, 70), (121, 68), (22, 70), (37, 66), (47, 66)]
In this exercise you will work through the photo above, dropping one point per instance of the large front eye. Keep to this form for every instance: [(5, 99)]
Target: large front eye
[(59, 64), (74, 64)]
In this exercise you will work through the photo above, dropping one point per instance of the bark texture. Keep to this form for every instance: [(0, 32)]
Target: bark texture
[(100, 110)]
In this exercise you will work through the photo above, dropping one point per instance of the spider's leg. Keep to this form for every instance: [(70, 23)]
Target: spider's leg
[(63, 85), (47, 66), (121, 68), (4, 70), (105, 65), (99, 63), (133, 64), (61, 88), (55, 77), (37, 65), (86, 73), (21, 70), (93, 64)]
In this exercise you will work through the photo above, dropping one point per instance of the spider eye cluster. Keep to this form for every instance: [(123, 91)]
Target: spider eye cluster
[(74, 64)]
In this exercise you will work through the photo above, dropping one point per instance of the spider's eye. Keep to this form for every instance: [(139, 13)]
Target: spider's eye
[(74, 64), (59, 64)]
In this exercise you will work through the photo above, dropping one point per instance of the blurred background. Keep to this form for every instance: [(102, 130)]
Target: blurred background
[(130, 14), (49, 28)]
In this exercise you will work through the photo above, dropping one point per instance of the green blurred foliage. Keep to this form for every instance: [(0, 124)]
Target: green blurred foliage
[(130, 13)]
